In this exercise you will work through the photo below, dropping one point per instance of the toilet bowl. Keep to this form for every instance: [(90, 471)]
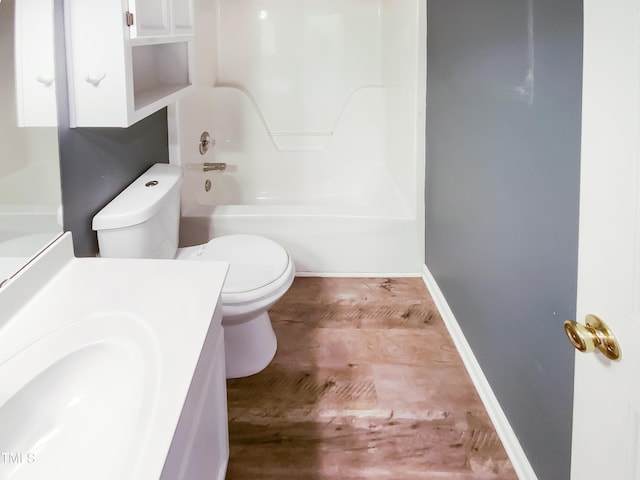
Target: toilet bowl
[(143, 222), (260, 272)]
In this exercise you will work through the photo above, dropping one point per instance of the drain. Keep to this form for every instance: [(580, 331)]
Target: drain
[(207, 185)]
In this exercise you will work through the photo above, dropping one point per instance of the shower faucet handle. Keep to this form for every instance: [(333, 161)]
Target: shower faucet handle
[(205, 143), (220, 166)]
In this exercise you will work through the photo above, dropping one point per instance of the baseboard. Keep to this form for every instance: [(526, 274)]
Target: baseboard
[(359, 274), (508, 437)]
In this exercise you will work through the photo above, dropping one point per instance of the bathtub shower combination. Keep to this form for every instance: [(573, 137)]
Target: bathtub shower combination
[(317, 110), (28, 214)]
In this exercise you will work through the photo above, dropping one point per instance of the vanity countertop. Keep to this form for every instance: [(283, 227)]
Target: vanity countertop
[(96, 359)]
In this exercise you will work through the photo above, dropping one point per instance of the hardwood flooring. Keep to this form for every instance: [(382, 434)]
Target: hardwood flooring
[(366, 384)]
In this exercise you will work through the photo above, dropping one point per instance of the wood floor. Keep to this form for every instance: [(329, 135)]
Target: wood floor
[(366, 384)]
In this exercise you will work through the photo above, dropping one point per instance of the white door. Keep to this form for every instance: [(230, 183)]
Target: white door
[(606, 414)]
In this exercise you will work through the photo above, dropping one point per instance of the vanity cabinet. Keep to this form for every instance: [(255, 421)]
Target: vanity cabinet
[(200, 446), (126, 60)]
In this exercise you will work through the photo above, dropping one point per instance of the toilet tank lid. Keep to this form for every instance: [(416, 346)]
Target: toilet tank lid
[(141, 200)]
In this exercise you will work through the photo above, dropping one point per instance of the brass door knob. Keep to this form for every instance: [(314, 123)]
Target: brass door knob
[(594, 334)]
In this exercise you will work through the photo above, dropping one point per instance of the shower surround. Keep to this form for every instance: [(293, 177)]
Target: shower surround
[(317, 108)]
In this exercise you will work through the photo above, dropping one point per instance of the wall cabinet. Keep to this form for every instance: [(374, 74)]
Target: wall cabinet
[(34, 64), (126, 60), (160, 17)]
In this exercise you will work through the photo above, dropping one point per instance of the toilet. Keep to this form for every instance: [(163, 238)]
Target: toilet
[(143, 222)]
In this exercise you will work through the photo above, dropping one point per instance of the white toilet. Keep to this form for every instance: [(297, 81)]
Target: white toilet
[(143, 222)]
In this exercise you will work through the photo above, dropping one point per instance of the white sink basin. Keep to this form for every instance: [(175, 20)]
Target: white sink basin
[(94, 379), (95, 364)]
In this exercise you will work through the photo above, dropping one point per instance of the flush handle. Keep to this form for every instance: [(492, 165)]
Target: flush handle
[(594, 334)]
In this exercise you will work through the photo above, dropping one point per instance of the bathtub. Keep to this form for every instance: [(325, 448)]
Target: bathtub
[(20, 220), (24, 231), (324, 153), (338, 235), (321, 240)]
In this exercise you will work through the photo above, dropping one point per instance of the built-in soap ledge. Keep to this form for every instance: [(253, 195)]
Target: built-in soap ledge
[(301, 142)]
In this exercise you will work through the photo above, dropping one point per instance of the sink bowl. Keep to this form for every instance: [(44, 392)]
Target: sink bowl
[(100, 372), (95, 379)]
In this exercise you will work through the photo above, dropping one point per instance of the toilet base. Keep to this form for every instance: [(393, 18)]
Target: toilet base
[(249, 346)]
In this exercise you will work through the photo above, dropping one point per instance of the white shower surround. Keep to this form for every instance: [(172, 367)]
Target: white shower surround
[(26, 220), (342, 190), (30, 199), (29, 202), (24, 231)]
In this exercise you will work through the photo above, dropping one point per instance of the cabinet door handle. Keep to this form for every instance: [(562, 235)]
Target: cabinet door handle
[(95, 78), (46, 80)]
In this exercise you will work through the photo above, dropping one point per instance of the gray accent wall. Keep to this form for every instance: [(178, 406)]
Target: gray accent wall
[(98, 163), (502, 187)]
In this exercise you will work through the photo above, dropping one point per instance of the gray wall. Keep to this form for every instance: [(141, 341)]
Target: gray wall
[(98, 163), (502, 186)]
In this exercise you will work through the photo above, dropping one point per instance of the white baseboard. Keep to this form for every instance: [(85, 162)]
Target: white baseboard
[(359, 274), (508, 437)]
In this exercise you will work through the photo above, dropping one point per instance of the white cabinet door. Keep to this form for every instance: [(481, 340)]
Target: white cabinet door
[(154, 18), (151, 18), (182, 17), (34, 58), (200, 445)]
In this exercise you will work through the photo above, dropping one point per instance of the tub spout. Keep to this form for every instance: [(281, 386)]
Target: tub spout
[(207, 167)]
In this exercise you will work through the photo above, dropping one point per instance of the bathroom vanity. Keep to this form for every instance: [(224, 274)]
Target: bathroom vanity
[(112, 368)]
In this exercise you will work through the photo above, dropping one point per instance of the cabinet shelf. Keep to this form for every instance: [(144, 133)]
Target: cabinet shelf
[(147, 98), (142, 41)]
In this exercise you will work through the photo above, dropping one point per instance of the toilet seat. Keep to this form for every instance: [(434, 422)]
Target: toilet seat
[(254, 262), (257, 265)]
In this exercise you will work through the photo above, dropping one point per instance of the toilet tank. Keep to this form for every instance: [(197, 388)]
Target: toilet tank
[(143, 220)]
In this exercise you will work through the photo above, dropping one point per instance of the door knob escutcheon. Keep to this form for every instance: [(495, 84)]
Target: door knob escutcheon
[(594, 334)]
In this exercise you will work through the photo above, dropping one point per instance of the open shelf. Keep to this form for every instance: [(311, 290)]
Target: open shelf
[(159, 70)]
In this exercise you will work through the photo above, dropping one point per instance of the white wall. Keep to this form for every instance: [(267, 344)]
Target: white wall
[(194, 114)]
